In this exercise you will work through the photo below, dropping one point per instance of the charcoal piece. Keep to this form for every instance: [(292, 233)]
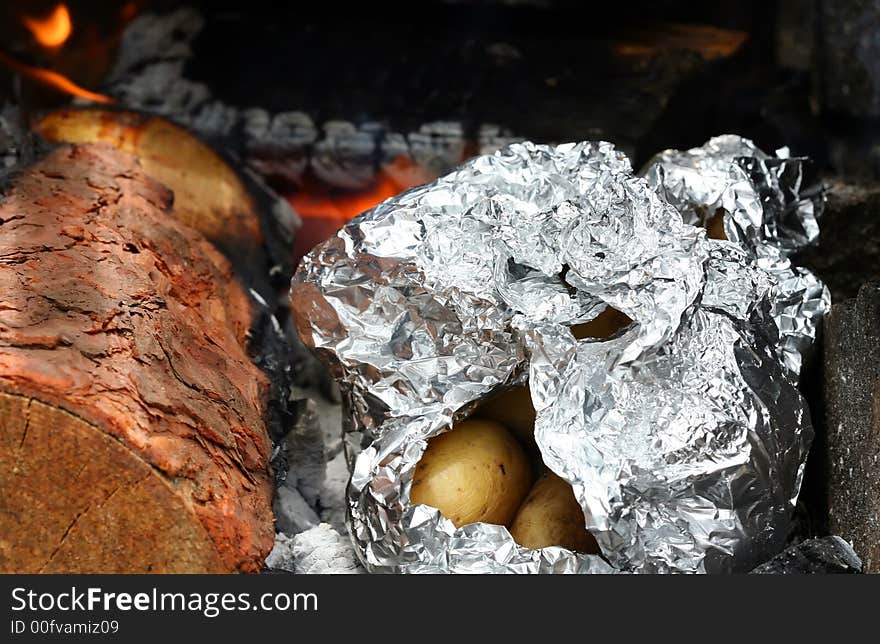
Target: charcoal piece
[(438, 146), (848, 61), (9, 145), (215, 119), (148, 73), (345, 156), (852, 424), (823, 556), (329, 414), (17, 146), (848, 251), (292, 514), (161, 88), (304, 445), (334, 505), (278, 146), (308, 371)]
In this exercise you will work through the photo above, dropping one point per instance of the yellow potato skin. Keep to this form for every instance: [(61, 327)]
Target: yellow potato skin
[(475, 472), (551, 516), (512, 408)]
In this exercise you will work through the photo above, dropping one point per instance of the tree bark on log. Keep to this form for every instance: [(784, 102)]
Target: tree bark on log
[(210, 196), (132, 421)]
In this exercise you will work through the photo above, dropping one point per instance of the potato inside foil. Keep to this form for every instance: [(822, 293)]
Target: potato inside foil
[(682, 434)]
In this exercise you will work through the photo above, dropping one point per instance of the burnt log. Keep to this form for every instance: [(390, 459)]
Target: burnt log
[(851, 440), (824, 556), (133, 433)]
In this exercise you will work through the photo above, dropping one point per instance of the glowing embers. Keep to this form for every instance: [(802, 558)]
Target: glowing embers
[(325, 209)]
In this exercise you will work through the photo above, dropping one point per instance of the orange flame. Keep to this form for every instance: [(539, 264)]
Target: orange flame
[(53, 30), (324, 211), (53, 79)]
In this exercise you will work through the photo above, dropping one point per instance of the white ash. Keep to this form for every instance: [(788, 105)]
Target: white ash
[(346, 156), (494, 137), (148, 73), (292, 514), (438, 146), (161, 88), (9, 145), (319, 551), (216, 118)]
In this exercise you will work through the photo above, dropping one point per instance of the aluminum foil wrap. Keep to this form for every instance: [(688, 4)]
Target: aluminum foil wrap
[(684, 436), (766, 208)]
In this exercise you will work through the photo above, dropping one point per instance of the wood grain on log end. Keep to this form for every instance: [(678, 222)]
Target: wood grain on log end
[(122, 346), (85, 503)]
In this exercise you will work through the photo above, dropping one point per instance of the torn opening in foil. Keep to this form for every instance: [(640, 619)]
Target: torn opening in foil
[(683, 435)]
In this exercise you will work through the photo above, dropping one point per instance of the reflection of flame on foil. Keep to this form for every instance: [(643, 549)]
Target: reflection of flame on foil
[(324, 210), (52, 30)]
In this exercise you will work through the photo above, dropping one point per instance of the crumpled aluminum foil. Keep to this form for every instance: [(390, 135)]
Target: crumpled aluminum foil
[(684, 436), (767, 209)]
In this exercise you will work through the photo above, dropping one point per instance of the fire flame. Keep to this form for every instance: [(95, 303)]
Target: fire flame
[(53, 79), (53, 30)]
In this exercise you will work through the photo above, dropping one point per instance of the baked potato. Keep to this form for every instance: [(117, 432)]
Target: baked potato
[(551, 516), (475, 472)]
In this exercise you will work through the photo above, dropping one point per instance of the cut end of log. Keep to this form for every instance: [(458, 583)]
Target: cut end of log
[(82, 502)]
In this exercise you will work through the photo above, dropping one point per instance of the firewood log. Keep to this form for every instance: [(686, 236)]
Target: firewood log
[(209, 194), (212, 197), (132, 420)]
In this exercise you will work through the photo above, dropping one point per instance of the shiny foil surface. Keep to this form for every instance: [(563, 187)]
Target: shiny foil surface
[(684, 435)]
